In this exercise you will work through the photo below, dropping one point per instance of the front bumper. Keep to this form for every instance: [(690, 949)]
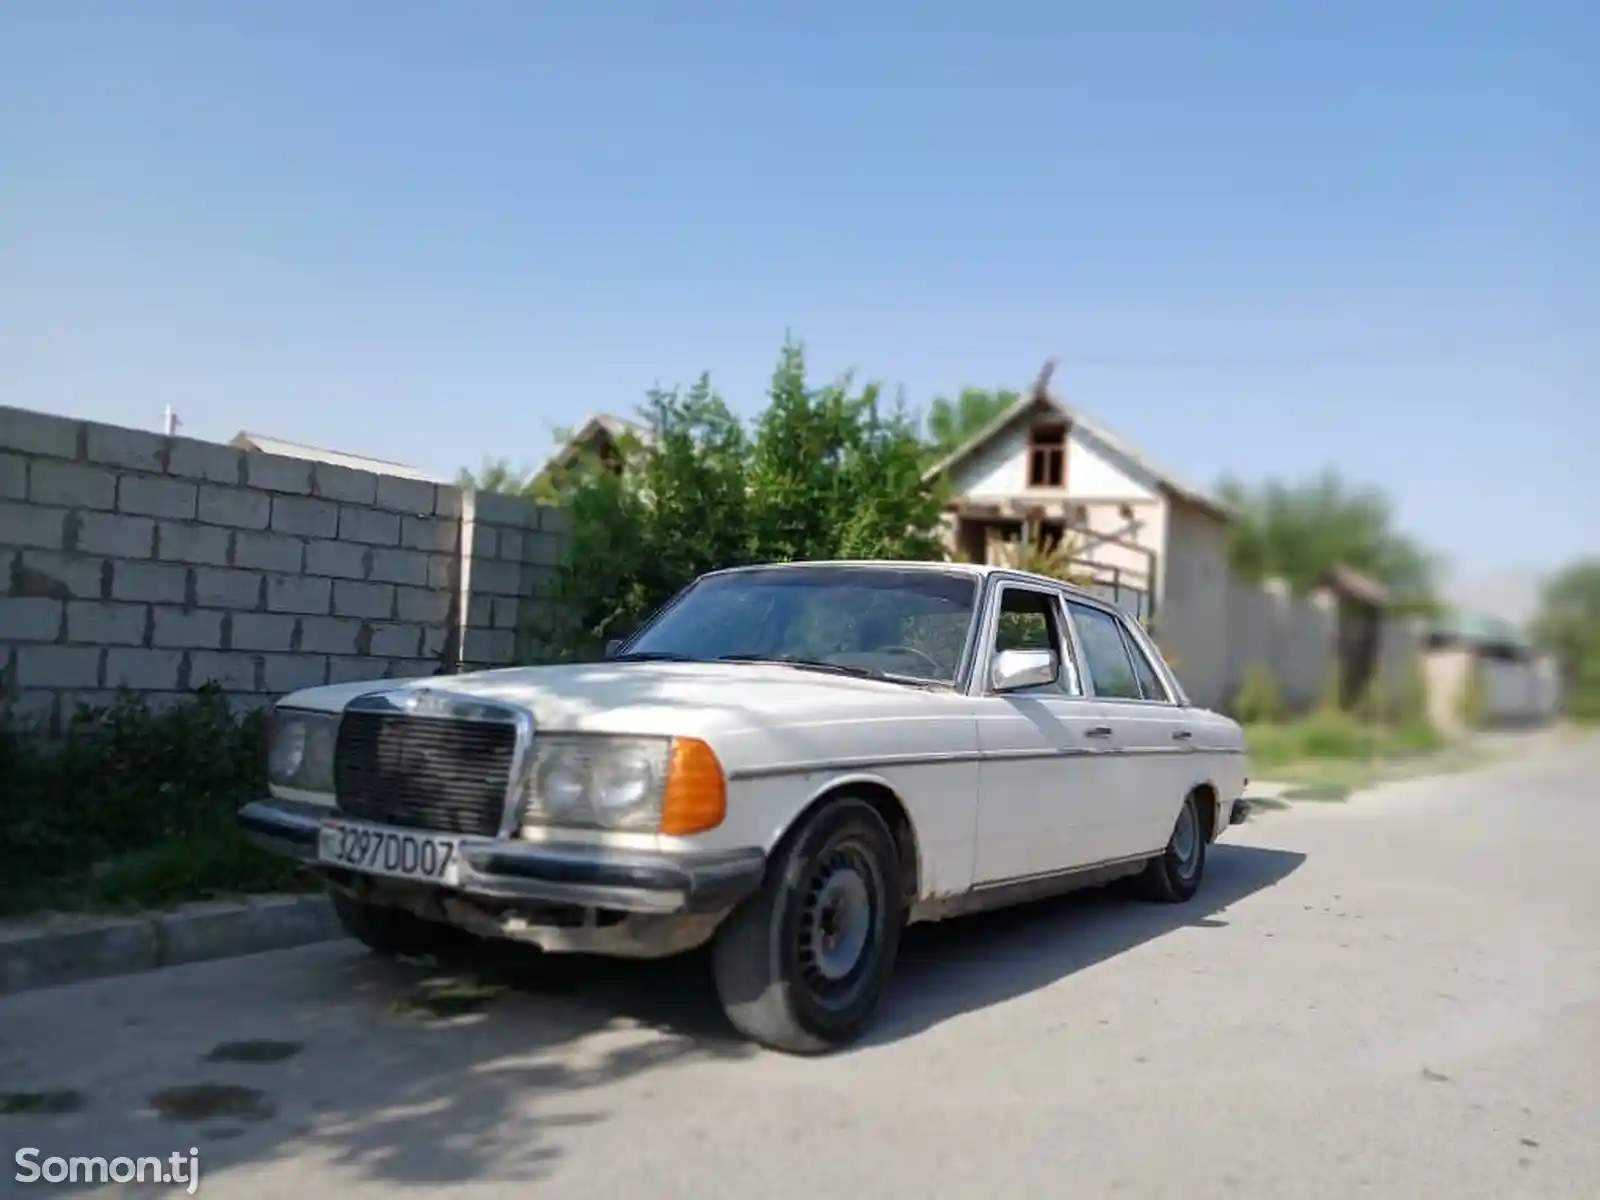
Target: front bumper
[(581, 875), (1240, 813)]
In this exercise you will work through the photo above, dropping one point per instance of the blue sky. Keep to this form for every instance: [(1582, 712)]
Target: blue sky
[(1261, 237)]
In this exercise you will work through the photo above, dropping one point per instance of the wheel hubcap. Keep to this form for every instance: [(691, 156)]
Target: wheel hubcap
[(1186, 841), (836, 920)]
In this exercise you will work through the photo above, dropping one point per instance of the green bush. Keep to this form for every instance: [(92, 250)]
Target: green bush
[(1258, 700), (823, 472), (134, 806)]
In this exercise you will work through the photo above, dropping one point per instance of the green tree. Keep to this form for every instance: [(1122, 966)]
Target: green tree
[(496, 475), (1567, 626), (951, 422), (823, 472), (1295, 532)]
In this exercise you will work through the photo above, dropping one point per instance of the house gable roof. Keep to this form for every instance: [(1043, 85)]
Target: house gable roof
[(595, 423), (1040, 398), (261, 443)]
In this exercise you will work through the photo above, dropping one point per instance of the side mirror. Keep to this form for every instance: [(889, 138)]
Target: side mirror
[(614, 646), (1015, 669)]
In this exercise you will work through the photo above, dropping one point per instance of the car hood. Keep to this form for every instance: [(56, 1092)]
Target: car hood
[(679, 699)]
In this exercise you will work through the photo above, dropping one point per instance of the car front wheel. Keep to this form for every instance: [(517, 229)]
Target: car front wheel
[(1174, 875), (802, 965)]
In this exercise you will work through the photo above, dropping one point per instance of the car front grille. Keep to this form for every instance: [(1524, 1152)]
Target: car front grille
[(425, 772)]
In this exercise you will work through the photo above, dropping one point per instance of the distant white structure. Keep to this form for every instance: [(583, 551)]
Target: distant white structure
[(261, 443), (169, 421)]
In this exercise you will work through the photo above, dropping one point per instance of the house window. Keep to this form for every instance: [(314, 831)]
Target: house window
[(1047, 456)]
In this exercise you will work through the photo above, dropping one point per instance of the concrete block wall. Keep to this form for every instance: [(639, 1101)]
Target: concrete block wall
[(158, 564)]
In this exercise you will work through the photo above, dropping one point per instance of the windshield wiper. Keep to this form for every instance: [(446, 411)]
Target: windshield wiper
[(654, 656), (812, 664)]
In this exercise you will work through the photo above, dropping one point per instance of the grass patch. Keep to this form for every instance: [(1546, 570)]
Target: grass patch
[(1334, 736), (55, 1102), (443, 998), (1318, 791), (133, 808)]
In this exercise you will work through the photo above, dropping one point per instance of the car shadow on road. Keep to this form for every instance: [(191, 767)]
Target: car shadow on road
[(961, 966)]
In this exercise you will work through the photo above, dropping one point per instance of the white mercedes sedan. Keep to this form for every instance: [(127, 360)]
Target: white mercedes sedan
[(790, 762)]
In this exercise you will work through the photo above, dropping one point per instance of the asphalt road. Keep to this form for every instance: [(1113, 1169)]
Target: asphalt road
[(1398, 997)]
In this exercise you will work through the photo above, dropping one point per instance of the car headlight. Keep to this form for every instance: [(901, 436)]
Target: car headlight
[(666, 785), (300, 749)]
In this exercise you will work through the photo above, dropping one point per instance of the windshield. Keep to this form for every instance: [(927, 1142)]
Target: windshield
[(894, 621)]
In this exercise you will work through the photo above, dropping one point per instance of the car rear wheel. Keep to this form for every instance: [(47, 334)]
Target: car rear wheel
[(1174, 875), (802, 965)]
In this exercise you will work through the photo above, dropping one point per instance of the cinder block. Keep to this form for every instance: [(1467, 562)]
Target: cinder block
[(429, 533), (492, 577), (422, 604), (274, 474), (555, 521), (30, 618), (146, 495), (230, 672), (268, 551), (151, 583), (344, 484), (297, 594), (33, 711), (498, 508), (38, 433), (545, 550), (60, 576), (330, 635), (25, 525), (443, 571), (495, 647), (434, 639), (135, 449), (512, 542), (235, 507), (372, 526), (399, 566), (506, 612), (116, 536), (350, 670), (106, 623), (396, 641), (223, 587), (198, 545), (58, 666), (291, 672), (178, 629), (260, 631), (352, 599), (447, 501), (411, 668), (205, 461), (342, 560), (13, 477), (480, 611), (405, 495), (72, 485), (479, 540), (305, 516)]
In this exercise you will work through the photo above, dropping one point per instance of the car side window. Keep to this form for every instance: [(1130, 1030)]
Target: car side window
[(1105, 653), (1031, 620), (1144, 670)]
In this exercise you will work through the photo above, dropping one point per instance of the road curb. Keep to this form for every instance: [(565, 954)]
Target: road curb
[(60, 948)]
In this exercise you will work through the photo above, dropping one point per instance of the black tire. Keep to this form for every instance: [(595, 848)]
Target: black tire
[(770, 957), (1174, 875), (391, 932)]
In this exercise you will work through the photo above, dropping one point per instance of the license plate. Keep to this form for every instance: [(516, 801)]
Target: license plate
[(376, 850)]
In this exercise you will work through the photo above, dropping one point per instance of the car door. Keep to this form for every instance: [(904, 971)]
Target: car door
[(1045, 768), (1150, 742)]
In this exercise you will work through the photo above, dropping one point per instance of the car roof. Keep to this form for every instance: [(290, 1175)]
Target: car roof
[(978, 570)]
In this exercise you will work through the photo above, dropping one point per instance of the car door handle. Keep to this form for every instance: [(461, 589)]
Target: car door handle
[(1181, 735), (1099, 731)]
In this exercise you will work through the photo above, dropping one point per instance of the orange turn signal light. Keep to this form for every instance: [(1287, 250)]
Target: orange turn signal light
[(696, 795)]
